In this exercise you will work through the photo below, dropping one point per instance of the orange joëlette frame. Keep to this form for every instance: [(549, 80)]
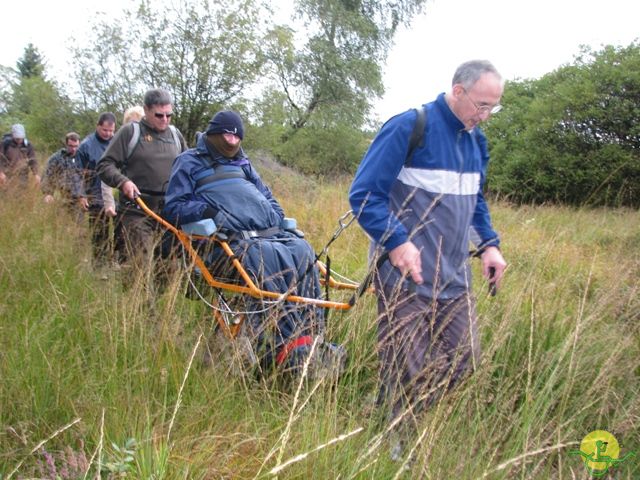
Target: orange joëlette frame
[(250, 287)]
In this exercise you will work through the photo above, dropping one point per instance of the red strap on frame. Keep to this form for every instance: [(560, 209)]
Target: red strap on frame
[(305, 340)]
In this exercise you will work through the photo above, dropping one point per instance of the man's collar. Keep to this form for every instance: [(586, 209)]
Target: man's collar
[(448, 115)]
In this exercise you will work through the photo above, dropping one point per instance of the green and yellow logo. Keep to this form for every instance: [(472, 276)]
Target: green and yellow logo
[(600, 452)]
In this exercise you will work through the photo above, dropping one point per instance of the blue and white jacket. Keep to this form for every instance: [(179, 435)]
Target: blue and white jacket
[(435, 201)]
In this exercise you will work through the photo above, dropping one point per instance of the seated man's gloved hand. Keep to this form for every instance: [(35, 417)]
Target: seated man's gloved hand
[(209, 212)]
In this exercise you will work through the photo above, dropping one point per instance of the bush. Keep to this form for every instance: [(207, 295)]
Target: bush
[(572, 136), (323, 151)]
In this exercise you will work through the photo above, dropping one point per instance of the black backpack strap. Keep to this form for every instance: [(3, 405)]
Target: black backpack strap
[(136, 134), (417, 135), (133, 141), (5, 144), (176, 138)]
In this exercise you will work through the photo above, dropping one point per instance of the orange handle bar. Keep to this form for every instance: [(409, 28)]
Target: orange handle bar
[(250, 287)]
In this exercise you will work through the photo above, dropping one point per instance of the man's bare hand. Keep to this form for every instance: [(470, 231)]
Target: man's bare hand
[(130, 189), (406, 258), (493, 265), (84, 203)]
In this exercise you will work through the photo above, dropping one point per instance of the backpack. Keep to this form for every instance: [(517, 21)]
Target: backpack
[(7, 138), (417, 135), (135, 139)]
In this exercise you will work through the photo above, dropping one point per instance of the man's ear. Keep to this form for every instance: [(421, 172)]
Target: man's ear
[(457, 90)]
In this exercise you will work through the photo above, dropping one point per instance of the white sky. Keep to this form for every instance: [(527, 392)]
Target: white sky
[(522, 39)]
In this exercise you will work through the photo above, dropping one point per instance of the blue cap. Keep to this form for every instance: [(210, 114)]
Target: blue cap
[(226, 122)]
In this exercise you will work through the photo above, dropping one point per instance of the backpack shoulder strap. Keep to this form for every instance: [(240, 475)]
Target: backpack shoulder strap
[(133, 142), (176, 138), (6, 140), (417, 135), (135, 138)]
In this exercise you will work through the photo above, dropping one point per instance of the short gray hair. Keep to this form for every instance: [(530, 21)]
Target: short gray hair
[(470, 72), (157, 96)]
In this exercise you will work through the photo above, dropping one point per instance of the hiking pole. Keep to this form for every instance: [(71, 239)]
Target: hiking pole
[(364, 285), (493, 288)]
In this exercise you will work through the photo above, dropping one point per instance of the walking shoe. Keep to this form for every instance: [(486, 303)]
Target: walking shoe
[(296, 360), (396, 454), (331, 359), (398, 451), (328, 358)]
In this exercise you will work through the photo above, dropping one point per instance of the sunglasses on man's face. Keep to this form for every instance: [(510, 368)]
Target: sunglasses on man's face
[(162, 115)]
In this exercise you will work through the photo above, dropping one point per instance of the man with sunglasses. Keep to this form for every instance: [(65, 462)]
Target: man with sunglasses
[(138, 162), (422, 205)]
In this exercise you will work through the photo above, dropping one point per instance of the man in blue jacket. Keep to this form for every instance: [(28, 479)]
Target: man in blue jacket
[(89, 152), (216, 180), (421, 211)]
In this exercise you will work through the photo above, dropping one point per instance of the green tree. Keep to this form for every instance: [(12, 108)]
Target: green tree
[(28, 97), (338, 72), (206, 53), (50, 114), (31, 64), (572, 136), (330, 82)]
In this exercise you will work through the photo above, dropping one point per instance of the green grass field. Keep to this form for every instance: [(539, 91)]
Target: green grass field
[(92, 382)]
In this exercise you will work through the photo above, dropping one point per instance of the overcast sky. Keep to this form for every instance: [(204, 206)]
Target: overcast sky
[(523, 39)]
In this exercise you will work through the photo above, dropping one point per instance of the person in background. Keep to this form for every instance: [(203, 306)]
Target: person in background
[(18, 157), (63, 174), (143, 171), (131, 114), (421, 213), (89, 152)]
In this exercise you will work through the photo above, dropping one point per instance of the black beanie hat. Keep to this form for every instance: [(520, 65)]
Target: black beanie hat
[(226, 122)]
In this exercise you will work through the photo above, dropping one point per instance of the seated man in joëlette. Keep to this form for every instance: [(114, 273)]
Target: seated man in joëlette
[(216, 180)]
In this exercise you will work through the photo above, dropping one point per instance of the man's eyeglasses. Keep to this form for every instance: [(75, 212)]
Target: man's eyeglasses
[(162, 115), (484, 109)]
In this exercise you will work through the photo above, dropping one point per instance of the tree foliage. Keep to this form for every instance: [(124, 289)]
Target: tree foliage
[(210, 55), (330, 80), (45, 112), (31, 64), (205, 53), (28, 97), (573, 136), (338, 70)]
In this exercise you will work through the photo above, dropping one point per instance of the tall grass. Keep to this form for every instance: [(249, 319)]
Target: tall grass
[(93, 379)]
